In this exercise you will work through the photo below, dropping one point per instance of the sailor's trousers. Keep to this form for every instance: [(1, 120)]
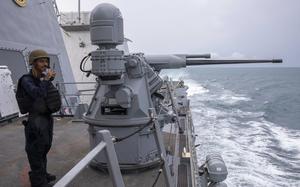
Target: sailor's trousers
[(38, 133)]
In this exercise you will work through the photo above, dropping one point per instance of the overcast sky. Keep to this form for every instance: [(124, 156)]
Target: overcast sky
[(226, 28)]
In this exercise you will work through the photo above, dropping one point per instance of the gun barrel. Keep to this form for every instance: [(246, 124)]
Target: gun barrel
[(198, 56), (194, 62), (159, 62)]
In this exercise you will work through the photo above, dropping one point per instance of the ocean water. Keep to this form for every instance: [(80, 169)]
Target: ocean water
[(252, 117)]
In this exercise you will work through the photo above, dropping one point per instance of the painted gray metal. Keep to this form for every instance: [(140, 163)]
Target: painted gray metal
[(129, 99), (196, 62), (170, 181), (31, 27), (112, 160), (124, 93), (106, 25), (128, 87), (110, 154), (216, 168), (177, 126), (67, 178), (8, 105), (15, 61), (159, 62)]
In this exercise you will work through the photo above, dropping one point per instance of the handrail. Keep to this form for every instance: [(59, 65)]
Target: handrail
[(161, 149), (76, 82), (112, 162), (176, 151), (69, 108)]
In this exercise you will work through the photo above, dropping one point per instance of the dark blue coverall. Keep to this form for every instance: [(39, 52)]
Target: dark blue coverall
[(38, 129)]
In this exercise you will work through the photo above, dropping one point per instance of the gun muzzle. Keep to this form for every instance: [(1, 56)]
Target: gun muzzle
[(277, 61)]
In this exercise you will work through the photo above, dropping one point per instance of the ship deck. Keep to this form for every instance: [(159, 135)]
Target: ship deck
[(70, 145)]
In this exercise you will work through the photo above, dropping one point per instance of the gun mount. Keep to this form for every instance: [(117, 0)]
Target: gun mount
[(128, 87)]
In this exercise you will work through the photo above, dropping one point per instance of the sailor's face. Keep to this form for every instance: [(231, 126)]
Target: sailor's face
[(41, 64)]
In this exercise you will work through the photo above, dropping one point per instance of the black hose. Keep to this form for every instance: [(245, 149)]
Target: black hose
[(128, 136), (84, 61), (158, 174)]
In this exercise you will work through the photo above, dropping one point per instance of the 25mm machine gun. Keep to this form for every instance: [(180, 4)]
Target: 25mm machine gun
[(135, 104), (159, 62)]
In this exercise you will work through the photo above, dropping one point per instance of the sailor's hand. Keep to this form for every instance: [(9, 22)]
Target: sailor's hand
[(50, 75)]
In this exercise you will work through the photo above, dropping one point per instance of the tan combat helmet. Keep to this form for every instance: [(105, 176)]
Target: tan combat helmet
[(36, 54)]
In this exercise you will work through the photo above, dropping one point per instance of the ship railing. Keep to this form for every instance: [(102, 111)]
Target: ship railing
[(176, 160), (105, 145), (171, 172), (56, 8), (70, 102), (189, 130), (190, 141)]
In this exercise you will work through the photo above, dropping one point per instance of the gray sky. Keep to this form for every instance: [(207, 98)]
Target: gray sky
[(226, 28)]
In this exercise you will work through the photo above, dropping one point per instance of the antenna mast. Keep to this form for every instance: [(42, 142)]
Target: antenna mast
[(79, 18)]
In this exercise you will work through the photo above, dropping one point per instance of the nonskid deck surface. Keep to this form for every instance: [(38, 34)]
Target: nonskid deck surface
[(70, 145)]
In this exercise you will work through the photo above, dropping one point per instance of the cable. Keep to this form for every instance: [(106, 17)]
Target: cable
[(84, 61), (158, 174), (157, 177), (140, 129)]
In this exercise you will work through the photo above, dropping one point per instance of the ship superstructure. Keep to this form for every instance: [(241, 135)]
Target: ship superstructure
[(30, 25)]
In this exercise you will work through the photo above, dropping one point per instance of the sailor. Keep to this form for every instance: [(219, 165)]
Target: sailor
[(39, 125)]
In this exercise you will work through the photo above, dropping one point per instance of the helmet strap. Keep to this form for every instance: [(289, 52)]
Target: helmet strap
[(34, 71)]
